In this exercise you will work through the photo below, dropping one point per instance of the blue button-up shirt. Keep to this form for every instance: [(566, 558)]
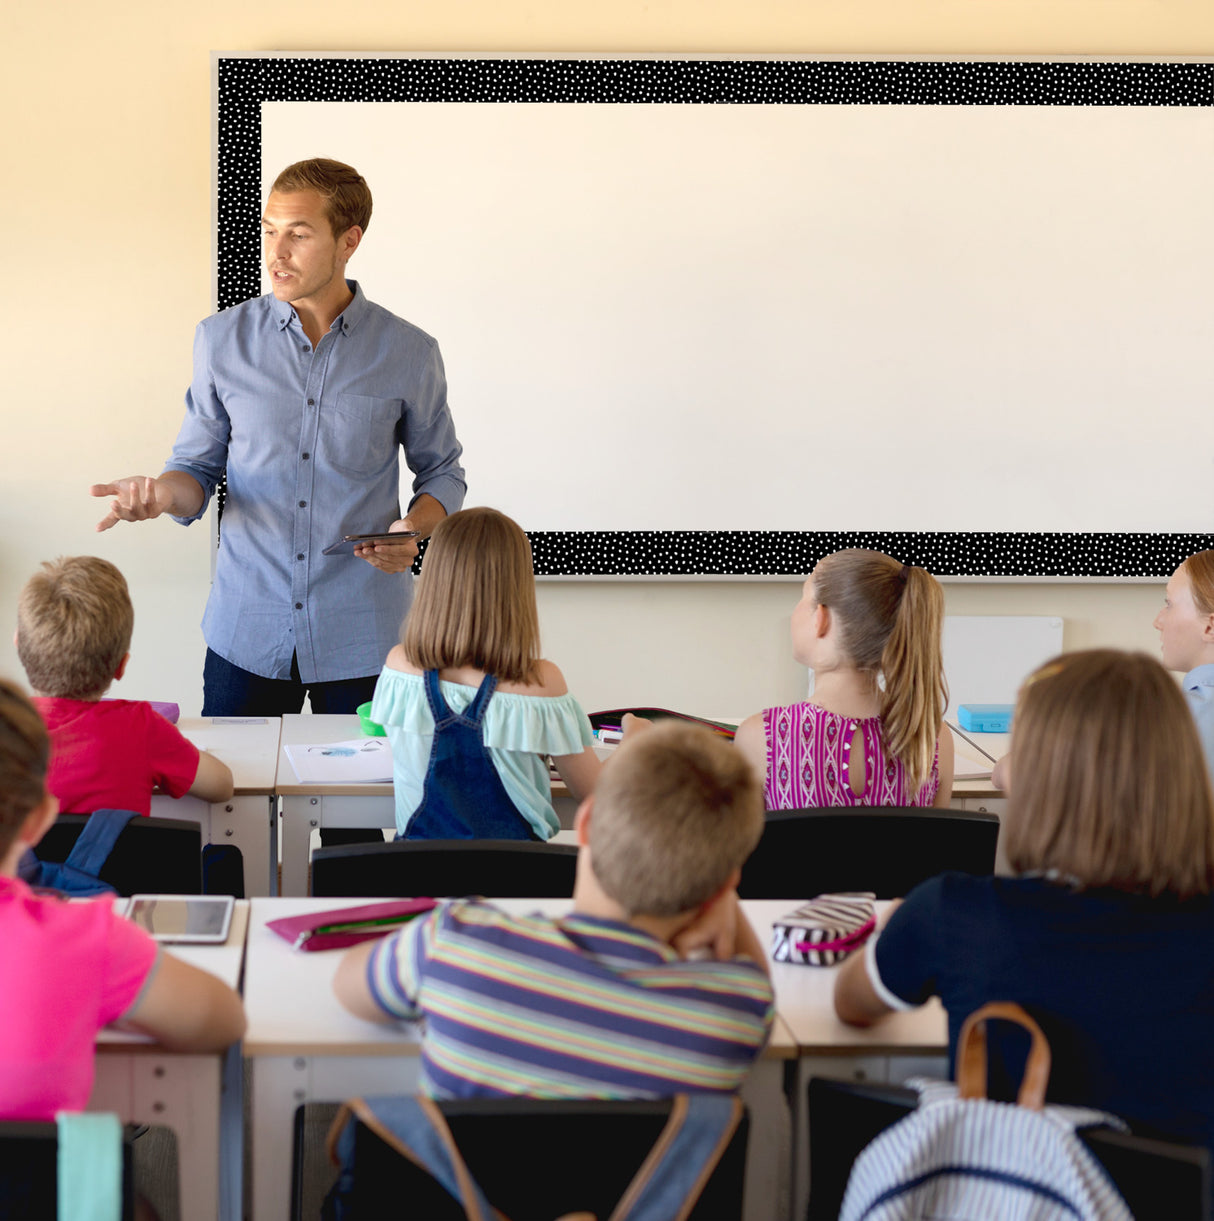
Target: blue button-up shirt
[(1199, 691), (310, 442)]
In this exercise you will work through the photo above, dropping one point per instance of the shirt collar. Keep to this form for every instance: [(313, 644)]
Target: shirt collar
[(1200, 676), (346, 321)]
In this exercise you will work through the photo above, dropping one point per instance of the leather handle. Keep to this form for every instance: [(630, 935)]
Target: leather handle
[(971, 1055)]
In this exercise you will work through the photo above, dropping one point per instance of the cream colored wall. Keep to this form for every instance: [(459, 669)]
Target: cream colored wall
[(107, 156)]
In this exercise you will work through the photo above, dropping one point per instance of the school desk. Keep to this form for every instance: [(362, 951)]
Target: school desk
[(249, 746), (900, 1046), (199, 1095), (304, 1047)]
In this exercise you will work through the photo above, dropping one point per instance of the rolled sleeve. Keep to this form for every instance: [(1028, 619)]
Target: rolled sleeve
[(201, 448), (432, 449)]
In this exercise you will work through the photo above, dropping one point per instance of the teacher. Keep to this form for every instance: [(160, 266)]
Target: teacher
[(306, 397)]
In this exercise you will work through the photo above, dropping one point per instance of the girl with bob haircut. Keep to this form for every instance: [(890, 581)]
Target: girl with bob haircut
[(872, 733), (1104, 933), (1186, 637), (470, 708)]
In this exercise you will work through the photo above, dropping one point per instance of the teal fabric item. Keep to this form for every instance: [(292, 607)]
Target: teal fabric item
[(90, 1167)]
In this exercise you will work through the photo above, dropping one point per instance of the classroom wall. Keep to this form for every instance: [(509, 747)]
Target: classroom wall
[(108, 243)]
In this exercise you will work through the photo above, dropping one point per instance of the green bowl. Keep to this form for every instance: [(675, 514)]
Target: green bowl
[(370, 728)]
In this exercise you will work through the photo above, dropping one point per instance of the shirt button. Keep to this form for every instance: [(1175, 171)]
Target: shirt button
[(303, 504), (299, 606), (311, 402), (300, 556), (306, 455)]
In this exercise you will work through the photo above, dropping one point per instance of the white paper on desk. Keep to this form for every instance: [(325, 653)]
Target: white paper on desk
[(965, 768), (358, 761)]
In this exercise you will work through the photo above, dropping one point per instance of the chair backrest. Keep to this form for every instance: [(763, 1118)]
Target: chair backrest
[(151, 856), (538, 1158), (1159, 1181), (441, 868), (28, 1172), (888, 850)]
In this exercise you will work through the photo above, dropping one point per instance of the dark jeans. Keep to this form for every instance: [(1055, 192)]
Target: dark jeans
[(227, 690)]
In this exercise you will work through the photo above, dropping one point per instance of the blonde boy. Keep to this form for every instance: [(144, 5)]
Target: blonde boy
[(74, 623), (654, 984)]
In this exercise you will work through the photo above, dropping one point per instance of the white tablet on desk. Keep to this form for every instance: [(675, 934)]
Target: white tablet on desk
[(201, 919)]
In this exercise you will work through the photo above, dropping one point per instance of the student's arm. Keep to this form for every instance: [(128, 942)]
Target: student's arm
[(141, 497), (944, 764), (1001, 773), (213, 780), (751, 740), (856, 1000), (351, 988), (579, 772), (186, 1009), (722, 928)]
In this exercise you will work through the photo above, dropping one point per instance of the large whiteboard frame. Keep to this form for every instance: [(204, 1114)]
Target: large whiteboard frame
[(1089, 110)]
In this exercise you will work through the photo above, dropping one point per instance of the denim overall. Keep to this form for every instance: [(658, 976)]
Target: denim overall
[(464, 797)]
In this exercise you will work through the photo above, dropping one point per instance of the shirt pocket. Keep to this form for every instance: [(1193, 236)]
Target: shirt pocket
[(360, 434)]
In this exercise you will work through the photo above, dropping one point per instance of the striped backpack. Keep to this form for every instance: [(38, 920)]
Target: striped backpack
[(960, 1157)]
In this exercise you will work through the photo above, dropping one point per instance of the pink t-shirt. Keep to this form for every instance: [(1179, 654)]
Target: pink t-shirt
[(809, 762), (111, 754), (66, 970)]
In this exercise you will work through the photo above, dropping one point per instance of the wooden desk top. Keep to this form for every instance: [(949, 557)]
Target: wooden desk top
[(249, 746), (293, 1012)]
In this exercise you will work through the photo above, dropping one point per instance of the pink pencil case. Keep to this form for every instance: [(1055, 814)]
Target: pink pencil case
[(344, 926), (824, 930)]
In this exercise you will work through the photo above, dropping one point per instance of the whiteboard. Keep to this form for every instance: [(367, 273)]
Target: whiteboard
[(746, 332)]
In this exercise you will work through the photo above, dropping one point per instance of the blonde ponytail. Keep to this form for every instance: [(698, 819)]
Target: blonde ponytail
[(891, 618), (915, 695)]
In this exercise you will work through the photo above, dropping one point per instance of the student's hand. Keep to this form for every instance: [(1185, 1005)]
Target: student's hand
[(714, 929), (391, 557), (135, 498), (634, 725)]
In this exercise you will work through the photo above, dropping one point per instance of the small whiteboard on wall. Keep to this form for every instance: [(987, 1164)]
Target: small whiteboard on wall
[(706, 316), (987, 657)]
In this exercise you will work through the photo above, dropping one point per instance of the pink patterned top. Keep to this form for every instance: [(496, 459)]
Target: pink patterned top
[(808, 750)]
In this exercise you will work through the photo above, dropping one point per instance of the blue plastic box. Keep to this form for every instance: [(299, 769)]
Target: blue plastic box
[(985, 718)]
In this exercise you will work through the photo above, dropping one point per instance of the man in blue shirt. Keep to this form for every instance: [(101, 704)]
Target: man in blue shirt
[(304, 398)]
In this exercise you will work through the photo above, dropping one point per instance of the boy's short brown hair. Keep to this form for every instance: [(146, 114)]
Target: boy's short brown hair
[(1108, 783), (676, 810), (74, 624), (344, 190), (24, 753)]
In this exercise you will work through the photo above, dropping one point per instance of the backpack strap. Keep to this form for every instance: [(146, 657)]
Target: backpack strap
[(971, 1055), (682, 1160), (416, 1129), (95, 843)]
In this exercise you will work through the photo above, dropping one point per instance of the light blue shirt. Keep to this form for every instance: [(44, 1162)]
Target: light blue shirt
[(1199, 691), (310, 441)]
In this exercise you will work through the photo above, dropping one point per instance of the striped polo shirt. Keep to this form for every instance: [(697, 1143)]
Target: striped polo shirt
[(576, 1007)]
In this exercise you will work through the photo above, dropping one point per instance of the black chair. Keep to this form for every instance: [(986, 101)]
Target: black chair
[(440, 868), (1159, 1181), (151, 856), (582, 1156), (888, 850), (28, 1175)]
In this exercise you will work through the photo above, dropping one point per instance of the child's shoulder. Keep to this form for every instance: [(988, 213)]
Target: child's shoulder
[(549, 682)]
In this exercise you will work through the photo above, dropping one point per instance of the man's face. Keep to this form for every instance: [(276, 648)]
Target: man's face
[(304, 259)]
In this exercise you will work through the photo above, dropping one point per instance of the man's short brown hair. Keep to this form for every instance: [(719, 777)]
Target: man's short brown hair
[(1108, 782), (344, 190), (74, 624), (24, 752), (676, 810)]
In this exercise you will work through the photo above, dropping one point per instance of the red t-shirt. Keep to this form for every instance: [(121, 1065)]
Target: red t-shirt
[(111, 754), (66, 970)]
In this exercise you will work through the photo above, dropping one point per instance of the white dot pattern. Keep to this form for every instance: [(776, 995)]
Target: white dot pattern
[(246, 82)]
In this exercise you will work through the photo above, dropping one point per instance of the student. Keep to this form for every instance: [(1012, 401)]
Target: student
[(74, 623), (654, 984), (1104, 935), (873, 732), (469, 707), (69, 968), (1186, 637)]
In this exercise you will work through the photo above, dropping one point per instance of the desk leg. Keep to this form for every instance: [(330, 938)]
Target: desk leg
[(769, 1151), (299, 816), (249, 823), (282, 1083)]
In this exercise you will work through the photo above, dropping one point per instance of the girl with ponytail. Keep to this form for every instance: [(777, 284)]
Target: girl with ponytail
[(873, 732)]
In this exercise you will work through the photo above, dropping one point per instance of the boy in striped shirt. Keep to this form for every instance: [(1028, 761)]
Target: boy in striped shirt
[(654, 984)]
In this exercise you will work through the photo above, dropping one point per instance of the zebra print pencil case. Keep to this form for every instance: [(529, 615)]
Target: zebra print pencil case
[(824, 930)]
